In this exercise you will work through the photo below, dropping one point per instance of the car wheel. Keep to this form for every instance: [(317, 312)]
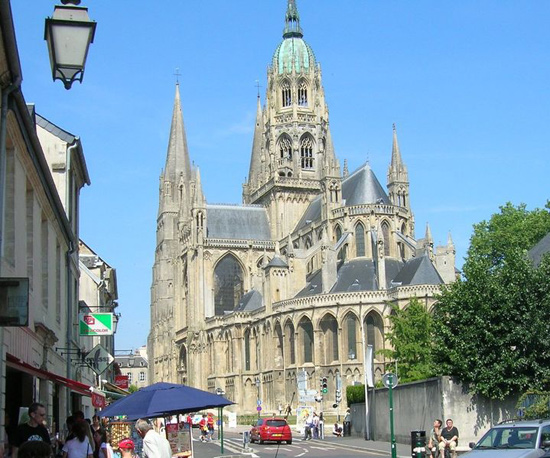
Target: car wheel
[(289, 442)]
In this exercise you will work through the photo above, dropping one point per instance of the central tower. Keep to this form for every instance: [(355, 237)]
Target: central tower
[(292, 151)]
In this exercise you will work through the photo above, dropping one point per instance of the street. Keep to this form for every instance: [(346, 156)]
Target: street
[(329, 447)]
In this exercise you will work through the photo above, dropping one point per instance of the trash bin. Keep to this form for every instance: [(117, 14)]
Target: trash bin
[(418, 444)]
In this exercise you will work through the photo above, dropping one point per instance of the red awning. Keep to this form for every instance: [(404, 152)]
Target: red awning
[(73, 385)]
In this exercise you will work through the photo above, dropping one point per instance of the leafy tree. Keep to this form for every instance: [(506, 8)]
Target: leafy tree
[(132, 388), (491, 327), (410, 339)]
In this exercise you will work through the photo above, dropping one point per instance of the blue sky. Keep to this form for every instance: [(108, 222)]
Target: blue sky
[(467, 83)]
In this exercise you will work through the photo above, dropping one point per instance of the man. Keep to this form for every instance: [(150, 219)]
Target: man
[(337, 430), (448, 438), (126, 447), (33, 430), (154, 445), (433, 440), (347, 422)]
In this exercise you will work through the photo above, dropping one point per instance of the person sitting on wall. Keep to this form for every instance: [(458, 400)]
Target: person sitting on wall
[(448, 438)]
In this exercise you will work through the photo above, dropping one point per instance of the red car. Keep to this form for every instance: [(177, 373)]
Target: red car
[(271, 429)]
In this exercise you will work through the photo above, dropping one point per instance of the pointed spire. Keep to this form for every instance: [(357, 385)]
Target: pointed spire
[(256, 159), (428, 235), (396, 162), (346, 171), (289, 247), (199, 199), (177, 157), (292, 21)]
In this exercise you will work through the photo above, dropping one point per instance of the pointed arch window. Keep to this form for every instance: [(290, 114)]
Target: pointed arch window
[(302, 94), (285, 147), (351, 323), (306, 334), (286, 94), (228, 284), (359, 240), (306, 152), (386, 237), (247, 350)]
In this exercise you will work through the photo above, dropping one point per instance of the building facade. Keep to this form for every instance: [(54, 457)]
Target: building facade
[(135, 366), (264, 299), (42, 172)]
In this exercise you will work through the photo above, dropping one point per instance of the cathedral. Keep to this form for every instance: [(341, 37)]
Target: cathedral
[(266, 300)]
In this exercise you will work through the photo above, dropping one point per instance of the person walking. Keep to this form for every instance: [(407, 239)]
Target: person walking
[(347, 422), (33, 430), (154, 445), (210, 425), (79, 446), (315, 425)]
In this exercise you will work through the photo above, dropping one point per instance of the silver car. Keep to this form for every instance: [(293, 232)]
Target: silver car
[(515, 439)]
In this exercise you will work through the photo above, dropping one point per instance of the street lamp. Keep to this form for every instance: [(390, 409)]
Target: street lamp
[(69, 33)]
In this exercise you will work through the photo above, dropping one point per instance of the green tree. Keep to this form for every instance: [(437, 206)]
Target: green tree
[(491, 327), (410, 339), (132, 388)]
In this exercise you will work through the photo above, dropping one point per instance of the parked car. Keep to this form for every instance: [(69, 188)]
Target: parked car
[(513, 439), (271, 429)]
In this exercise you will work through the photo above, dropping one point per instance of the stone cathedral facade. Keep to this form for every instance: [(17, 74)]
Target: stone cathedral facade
[(302, 276)]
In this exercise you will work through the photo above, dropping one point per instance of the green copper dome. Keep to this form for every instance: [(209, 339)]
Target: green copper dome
[(293, 53)]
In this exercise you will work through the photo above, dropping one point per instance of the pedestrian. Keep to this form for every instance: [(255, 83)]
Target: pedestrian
[(203, 426), (308, 423), (347, 422), (210, 425), (35, 449), (79, 416), (337, 430), (433, 440), (33, 430), (315, 425), (79, 446), (321, 426), (105, 449), (154, 445), (126, 447), (448, 438)]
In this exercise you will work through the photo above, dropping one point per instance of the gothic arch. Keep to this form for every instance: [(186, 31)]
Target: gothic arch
[(278, 346), (247, 343), (359, 239), (329, 334), (284, 146), (183, 364), (228, 352), (302, 92), (286, 93), (306, 340), (374, 331), (228, 283), (351, 336), (386, 236), (307, 144), (290, 347)]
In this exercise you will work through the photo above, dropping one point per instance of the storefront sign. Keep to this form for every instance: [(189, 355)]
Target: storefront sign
[(99, 359), (98, 400), (95, 324), (122, 381)]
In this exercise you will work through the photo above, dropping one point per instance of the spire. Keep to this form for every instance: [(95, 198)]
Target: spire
[(396, 162), (346, 171), (428, 235), (177, 157), (199, 199), (292, 21), (256, 159)]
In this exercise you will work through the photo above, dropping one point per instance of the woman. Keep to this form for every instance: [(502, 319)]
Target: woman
[(105, 449), (79, 446)]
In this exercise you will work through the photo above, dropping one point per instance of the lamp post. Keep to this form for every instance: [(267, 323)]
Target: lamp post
[(69, 33), (258, 401)]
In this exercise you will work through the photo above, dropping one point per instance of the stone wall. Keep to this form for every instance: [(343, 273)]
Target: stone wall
[(417, 404)]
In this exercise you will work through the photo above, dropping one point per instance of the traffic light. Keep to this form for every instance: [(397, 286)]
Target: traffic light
[(324, 385), (338, 397)]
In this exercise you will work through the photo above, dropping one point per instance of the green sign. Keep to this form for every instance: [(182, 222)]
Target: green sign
[(95, 324)]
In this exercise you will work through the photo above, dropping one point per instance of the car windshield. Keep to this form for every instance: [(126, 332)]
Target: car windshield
[(275, 423), (509, 437)]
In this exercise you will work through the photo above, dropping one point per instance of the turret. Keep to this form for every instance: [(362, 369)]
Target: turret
[(398, 177)]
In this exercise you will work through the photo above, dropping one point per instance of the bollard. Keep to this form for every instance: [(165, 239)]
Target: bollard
[(418, 444)]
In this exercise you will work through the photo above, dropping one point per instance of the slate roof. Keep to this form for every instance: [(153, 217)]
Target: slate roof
[(314, 285), (539, 250), (237, 222), (250, 301), (361, 187), (277, 262), (418, 271)]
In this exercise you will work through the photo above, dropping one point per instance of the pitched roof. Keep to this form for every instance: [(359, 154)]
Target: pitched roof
[(539, 250), (362, 187), (250, 301), (237, 222), (418, 271)]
